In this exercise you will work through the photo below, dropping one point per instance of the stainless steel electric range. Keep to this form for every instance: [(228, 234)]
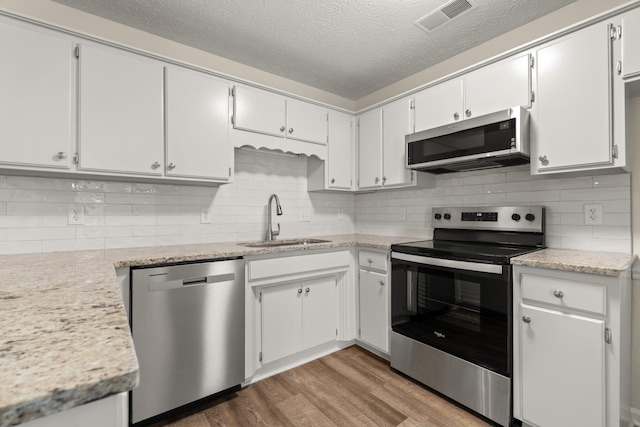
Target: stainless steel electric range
[(451, 304)]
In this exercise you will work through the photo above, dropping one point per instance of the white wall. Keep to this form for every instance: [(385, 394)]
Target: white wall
[(33, 211)]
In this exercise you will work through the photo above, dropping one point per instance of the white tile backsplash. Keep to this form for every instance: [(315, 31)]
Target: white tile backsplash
[(563, 197), (33, 210)]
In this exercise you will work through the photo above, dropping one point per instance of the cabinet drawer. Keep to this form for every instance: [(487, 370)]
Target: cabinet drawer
[(372, 260), (565, 293)]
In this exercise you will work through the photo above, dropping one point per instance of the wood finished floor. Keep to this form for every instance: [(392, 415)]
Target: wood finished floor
[(351, 387)]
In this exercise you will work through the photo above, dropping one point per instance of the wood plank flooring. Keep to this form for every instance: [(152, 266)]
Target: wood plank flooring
[(351, 387)]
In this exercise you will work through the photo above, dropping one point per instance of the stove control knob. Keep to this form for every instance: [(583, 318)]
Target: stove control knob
[(438, 216), (515, 217), (447, 216), (529, 217)]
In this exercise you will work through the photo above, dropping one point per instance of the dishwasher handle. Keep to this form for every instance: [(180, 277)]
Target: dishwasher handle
[(195, 281)]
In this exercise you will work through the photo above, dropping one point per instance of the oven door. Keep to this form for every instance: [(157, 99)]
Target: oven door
[(462, 308)]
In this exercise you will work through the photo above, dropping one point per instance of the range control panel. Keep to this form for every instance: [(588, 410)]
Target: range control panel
[(502, 218)]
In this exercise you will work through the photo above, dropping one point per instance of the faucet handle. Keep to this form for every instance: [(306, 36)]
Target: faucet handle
[(276, 233)]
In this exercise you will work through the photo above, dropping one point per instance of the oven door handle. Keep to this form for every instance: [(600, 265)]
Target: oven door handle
[(449, 263)]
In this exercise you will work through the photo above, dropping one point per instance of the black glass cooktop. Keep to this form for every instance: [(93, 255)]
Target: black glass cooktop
[(488, 253)]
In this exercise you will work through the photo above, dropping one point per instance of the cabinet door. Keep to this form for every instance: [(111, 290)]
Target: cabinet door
[(319, 308), (35, 96), (573, 118), (121, 112), (370, 149), (340, 151), (197, 117), (439, 105), (396, 124), (306, 122), (498, 87), (563, 369), (259, 111), (631, 43), (281, 321), (374, 309)]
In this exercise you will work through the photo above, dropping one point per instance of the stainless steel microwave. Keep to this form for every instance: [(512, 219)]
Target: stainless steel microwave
[(493, 140)]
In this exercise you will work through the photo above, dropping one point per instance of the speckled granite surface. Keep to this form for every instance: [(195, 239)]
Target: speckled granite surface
[(601, 263), (64, 336)]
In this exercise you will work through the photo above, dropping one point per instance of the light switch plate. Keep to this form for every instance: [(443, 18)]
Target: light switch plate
[(305, 214)]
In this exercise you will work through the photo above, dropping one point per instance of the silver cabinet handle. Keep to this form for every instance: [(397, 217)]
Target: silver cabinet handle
[(377, 180), (558, 293), (307, 290), (290, 130), (384, 179), (61, 155), (619, 67), (171, 166), (299, 290), (456, 116), (333, 180), (369, 260), (155, 165), (543, 159), (381, 282), (468, 113), (526, 319), (282, 128)]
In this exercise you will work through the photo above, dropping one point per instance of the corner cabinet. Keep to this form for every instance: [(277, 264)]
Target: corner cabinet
[(335, 173), (381, 149), (571, 348), (37, 105), (572, 121)]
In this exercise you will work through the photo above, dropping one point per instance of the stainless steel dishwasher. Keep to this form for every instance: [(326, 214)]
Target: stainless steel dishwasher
[(187, 323)]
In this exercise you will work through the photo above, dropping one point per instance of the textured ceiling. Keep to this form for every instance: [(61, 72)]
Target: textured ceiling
[(348, 47)]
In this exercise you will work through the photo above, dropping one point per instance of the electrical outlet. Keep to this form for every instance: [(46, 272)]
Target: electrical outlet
[(305, 215), (205, 216), (341, 214), (75, 215), (402, 214), (593, 214)]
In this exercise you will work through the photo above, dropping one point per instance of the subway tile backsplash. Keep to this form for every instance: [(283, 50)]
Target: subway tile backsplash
[(33, 210), (563, 197)]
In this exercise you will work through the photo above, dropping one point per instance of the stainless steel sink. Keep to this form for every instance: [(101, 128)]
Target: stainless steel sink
[(285, 242)]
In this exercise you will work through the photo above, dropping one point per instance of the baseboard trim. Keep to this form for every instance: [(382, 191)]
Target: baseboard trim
[(635, 416)]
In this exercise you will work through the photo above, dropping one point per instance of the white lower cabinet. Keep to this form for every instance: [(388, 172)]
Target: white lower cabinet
[(571, 348), (109, 411), (297, 317), (373, 300)]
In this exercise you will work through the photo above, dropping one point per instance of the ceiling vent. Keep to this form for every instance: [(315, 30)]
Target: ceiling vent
[(443, 14)]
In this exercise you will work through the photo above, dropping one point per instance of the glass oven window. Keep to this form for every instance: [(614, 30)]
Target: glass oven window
[(464, 313)]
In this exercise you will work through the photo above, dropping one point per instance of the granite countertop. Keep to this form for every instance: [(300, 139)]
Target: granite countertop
[(65, 338), (601, 263)]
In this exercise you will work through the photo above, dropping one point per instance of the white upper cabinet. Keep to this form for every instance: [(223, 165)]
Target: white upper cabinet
[(306, 122), (340, 151), (498, 86), (439, 105), (36, 96), (268, 113), (486, 90), (396, 124), (121, 112), (259, 111), (631, 44), (572, 114), (197, 125), (370, 149)]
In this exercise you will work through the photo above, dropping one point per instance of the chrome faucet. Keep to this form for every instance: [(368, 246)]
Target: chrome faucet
[(271, 235)]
